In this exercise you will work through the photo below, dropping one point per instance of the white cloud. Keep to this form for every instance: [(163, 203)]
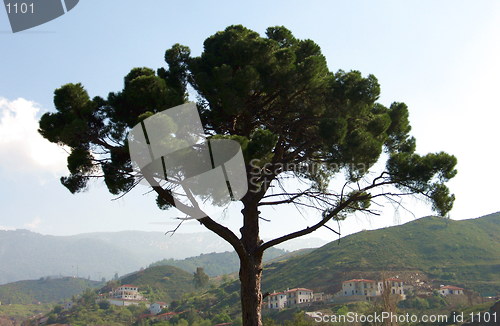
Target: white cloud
[(22, 148), (6, 228), (35, 223)]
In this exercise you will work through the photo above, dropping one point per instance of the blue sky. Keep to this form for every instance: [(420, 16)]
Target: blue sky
[(439, 57)]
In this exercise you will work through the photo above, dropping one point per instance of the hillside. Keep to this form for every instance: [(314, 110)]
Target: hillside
[(45, 290), (216, 263), (165, 283), (464, 253)]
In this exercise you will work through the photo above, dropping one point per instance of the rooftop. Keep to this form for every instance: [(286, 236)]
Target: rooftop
[(298, 289), (359, 280), (127, 286), (451, 287)]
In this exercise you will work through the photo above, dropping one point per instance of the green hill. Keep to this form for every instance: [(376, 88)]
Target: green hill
[(464, 253), (216, 263), (165, 283), (45, 290)]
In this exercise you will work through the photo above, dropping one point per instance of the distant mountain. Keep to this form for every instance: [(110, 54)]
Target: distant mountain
[(44, 290), (216, 263), (464, 253), (153, 246), (27, 255)]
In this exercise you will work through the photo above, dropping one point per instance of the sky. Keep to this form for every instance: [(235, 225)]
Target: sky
[(439, 57)]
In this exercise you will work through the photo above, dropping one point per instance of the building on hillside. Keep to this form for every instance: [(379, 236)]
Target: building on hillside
[(299, 296), (318, 296), (127, 291), (450, 290), (276, 300), (363, 287), (125, 295), (396, 286), (157, 307)]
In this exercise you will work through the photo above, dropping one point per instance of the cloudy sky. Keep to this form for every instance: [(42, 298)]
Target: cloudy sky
[(439, 57)]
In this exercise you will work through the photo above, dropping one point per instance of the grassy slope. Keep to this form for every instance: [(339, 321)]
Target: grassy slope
[(44, 290), (216, 263), (21, 312), (463, 252), (164, 283)]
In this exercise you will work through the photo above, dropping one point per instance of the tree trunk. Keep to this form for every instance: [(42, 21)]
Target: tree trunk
[(251, 267), (251, 295)]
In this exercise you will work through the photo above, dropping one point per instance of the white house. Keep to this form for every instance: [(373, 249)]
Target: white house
[(157, 307), (449, 289), (396, 286), (363, 287), (125, 295), (127, 291), (277, 300), (298, 296), (371, 288)]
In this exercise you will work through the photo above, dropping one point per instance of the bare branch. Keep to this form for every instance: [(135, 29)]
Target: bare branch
[(278, 202), (329, 228), (174, 230), (341, 206)]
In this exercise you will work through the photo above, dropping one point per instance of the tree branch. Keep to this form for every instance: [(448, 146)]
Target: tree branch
[(323, 221), (206, 221)]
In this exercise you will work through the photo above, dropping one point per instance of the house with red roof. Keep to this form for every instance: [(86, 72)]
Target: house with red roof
[(127, 291), (371, 288), (289, 298), (276, 300), (298, 296), (362, 287), (125, 295)]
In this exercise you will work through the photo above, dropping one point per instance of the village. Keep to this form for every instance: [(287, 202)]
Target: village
[(352, 290)]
